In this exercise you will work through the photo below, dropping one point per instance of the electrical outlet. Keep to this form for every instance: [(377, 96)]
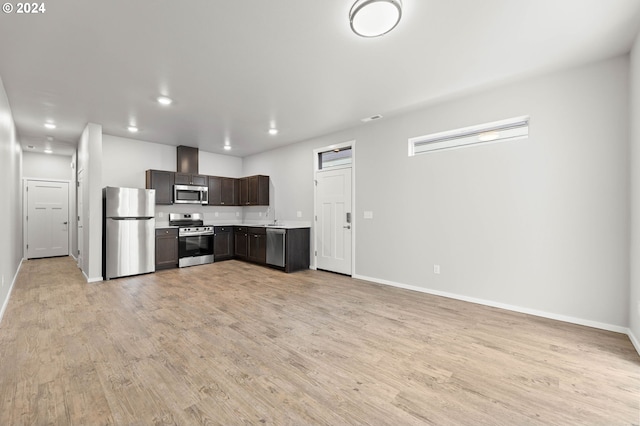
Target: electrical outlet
[(216, 214), (368, 215), (237, 214), (436, 269), (259, 214), (160, 214), (299, 214)]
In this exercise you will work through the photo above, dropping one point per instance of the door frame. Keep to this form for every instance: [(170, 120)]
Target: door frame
[(352, 166), (25, 211)]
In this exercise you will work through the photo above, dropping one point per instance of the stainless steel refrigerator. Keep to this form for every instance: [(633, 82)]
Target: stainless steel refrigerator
[(128, 231)]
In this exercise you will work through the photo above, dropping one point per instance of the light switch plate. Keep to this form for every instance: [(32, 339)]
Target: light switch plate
[(299, 214), (368, 215), (436, 269)]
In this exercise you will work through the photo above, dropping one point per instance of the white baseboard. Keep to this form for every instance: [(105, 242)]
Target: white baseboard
[(543, 314), (634, 340), (13, 282), (91, 280)]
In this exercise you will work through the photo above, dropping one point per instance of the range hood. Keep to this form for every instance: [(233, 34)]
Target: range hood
[(187, 160)]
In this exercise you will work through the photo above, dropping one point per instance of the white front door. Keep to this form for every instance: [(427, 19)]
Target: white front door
[(333, 204), (47, 219)]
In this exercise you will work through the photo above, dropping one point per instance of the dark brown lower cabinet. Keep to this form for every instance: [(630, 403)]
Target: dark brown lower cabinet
[(166, 248), (297, 249), (223, 247), (240, 238), (257, 244)]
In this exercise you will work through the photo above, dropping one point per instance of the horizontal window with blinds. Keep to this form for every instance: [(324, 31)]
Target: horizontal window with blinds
[(497, 131)]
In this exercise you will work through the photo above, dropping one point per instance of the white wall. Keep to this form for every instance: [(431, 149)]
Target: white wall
[(634, 293), (290, 170), (47, 166), (90, 164), (73, 202), (11, 196), (539, 225), (126, 160)]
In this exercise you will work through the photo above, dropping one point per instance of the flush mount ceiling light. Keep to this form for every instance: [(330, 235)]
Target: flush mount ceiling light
[(50, 125), (164, 100), (373, 18), (132, 129), (273, 131)]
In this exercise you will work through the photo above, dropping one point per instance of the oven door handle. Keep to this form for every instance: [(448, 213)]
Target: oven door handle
[(198, 234)]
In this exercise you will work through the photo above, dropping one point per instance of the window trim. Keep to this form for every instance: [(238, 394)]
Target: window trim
[(438, 141)]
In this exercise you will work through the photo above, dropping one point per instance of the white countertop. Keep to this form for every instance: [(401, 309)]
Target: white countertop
[(291, 225)]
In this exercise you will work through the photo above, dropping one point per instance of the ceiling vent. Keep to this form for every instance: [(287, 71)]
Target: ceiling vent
[(372, 118)]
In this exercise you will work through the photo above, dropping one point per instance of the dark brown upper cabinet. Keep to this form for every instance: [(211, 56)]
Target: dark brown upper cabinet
[(190, 179), (254, 190), (162, 182), (223, 191)]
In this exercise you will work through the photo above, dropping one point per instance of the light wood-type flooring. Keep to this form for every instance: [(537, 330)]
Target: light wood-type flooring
[(233, 343)]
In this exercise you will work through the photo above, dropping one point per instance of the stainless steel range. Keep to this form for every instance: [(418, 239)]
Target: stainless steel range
[(195, 241)]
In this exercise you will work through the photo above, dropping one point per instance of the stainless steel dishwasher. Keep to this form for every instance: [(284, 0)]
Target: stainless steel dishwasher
[(275, 246)]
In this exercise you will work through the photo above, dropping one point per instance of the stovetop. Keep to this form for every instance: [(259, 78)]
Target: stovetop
[(186, 219), (190, 224)]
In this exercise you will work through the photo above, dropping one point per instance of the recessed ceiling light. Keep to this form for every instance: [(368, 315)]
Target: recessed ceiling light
[(273, 131), (49, 125), (164, 100), (227, 147), (48, 151), (132, 129)]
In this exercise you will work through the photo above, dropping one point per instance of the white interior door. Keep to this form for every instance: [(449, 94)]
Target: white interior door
[(333, 230), (47, 219)]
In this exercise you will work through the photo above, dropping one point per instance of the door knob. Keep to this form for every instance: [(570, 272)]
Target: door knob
[(347, 227), (64, 223)]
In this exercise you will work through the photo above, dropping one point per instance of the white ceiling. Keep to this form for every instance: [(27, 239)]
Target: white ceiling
[(233, 67)]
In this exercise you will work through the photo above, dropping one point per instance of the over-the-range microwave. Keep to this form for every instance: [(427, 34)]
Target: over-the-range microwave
[(190, 194)]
